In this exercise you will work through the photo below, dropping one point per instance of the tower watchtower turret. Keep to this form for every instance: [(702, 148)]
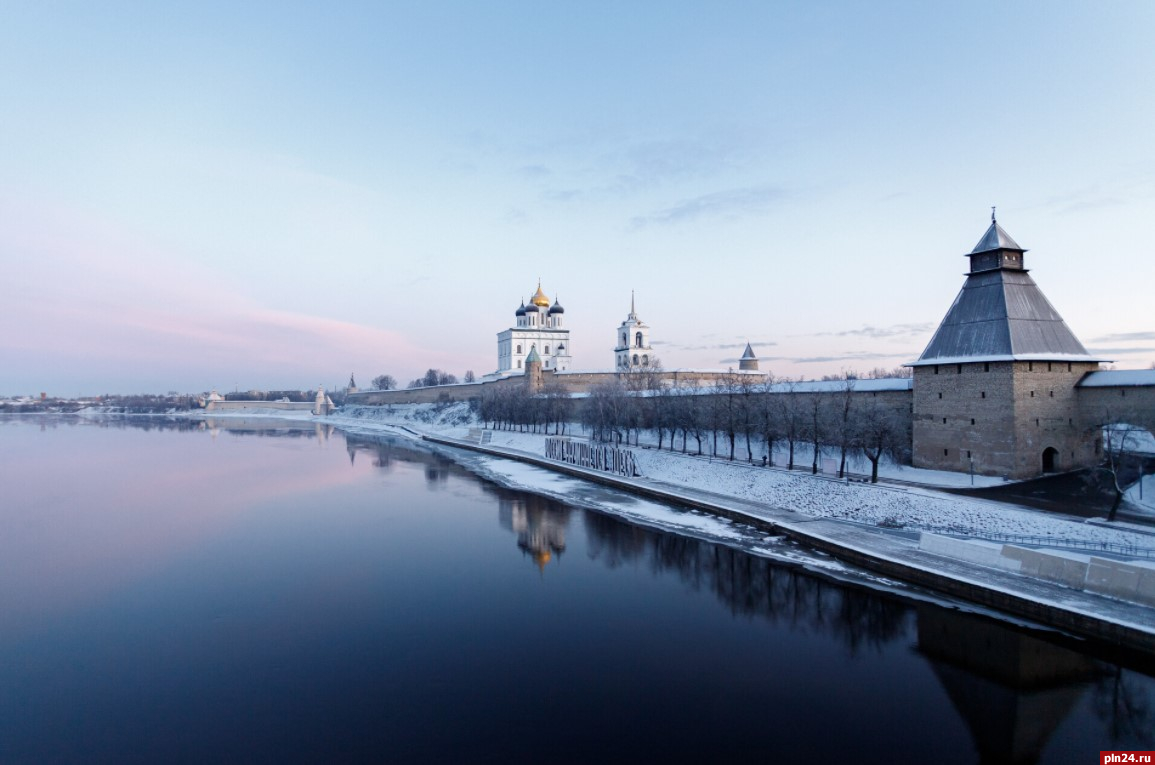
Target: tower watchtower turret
[(996, 250)]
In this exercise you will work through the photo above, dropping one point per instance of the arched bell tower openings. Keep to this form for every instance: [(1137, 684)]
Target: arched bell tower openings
[(633, 342)]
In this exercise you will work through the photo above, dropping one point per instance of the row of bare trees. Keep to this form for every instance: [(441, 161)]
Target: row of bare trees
[(751, 412), (514, 407), (732, 418)]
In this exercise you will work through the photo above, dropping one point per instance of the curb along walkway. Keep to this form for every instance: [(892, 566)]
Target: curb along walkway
[(1074, 611)]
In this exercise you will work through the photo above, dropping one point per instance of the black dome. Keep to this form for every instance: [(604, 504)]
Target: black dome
[(520, 311), (556, 308)]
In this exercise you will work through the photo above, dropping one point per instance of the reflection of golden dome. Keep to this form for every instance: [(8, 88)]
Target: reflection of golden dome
[(539, 298), (541, 557)]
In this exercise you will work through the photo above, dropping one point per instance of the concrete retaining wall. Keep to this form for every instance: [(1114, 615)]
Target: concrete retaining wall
[(982, 553), (1068, 569), (1126, 580)]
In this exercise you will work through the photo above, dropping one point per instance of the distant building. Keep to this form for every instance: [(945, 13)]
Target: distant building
[(538, 324), (995, 390), (633, 344), (748, 362)]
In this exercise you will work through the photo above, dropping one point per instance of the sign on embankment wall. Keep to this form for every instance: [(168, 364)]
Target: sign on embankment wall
[(605, 457)]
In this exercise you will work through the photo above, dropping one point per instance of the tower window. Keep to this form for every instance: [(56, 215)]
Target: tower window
[(638, 339), (940, 395), (519, 349), (519, 363), (1048, 366), (946, 452), (984, 395), (987, 367), (944, 421), (972, 420), (1030, 366), (547, 350), (1068, 366), (936, 369), (959, 369), (1052, 394), (1032, 394)]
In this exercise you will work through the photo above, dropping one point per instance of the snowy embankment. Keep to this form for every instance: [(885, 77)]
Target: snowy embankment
[(814, 496)]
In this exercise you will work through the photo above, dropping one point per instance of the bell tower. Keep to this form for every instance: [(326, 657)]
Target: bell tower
[(633, 343)]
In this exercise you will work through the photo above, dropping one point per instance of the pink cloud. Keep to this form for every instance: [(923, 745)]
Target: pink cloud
[(89, 298)]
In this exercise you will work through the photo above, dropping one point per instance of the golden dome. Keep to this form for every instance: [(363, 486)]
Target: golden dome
[(539, 298)]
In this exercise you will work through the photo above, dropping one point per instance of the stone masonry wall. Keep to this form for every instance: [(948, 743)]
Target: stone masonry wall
[(964, 412), (1131, 404), (1047, 416)]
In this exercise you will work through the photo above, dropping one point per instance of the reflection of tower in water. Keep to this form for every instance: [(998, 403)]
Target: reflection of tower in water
[(539, 524), (1012, 690)]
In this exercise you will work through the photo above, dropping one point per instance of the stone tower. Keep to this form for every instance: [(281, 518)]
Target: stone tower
[(533, 370), (633, 345), (994, 391), (748, 362)]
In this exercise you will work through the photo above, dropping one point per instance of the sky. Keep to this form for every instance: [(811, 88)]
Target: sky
[(277, 195)]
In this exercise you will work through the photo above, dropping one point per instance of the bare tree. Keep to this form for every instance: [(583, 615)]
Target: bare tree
[(384, 382), (790, 417), (879, 431), (768, 415), (841, 420), (604, 414), (815, 421), (1118, 442)]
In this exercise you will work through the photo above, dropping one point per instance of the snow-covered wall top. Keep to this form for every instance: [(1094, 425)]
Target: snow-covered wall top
[(1113, 378)]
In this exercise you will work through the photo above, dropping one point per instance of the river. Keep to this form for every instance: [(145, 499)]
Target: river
[(254, 591)]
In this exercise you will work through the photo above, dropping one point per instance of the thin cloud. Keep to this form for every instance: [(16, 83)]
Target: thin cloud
[(894, 330), (1121, 351), (729, 204), (716, 346), (1125, 337), (535, 171), (864, 356)]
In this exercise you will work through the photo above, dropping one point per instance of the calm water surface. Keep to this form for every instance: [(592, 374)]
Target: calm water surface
[(241, 593)]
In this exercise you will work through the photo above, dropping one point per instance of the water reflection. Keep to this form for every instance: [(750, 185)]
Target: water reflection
[(266, 576), (754, 586), (386, 452), (1013, 690), (539, 523)]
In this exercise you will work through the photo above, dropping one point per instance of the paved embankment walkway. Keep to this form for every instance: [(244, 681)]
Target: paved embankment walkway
[(894, 555)]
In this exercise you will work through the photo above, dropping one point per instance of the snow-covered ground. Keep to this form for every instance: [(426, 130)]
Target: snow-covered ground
[(817, 496), (1131, 438), (1142, 495)]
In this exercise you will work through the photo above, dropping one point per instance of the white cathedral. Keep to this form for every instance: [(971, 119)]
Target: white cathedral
[(540, 325)]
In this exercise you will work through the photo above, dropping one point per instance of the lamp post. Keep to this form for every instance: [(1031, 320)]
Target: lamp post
[(972, 461)]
